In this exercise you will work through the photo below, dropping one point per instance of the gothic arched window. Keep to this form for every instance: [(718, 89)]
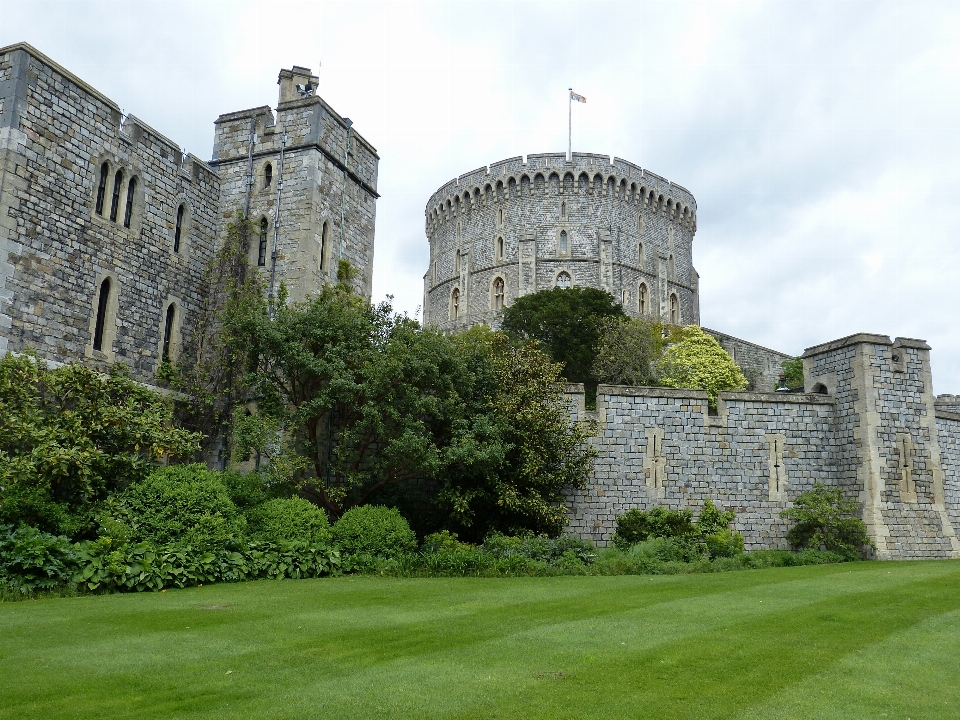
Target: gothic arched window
[(456, 263), (262, 249), (641, 255), (642, 299), (128, 213), (115, 202), (324, 237), (178, 231), (168, 331), (563, 280), (267, 175), (563, 211), (674, 309), (563, 241), (498, 294), (102, 303), (454, 304), (672, 268), (499, 248), (102, 187)]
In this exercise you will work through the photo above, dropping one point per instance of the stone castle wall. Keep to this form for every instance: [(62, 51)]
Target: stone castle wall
[(870, 428), (761, 365), (625, 227), (55, 249), (308, 241)]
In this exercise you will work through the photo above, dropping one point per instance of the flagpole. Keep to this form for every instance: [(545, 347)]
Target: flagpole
[(570, 125)]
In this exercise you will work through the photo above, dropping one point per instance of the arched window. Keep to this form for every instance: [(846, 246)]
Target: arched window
[(102, 302), (262, 249), (499, 248), (454, 304), (267, 176), (500, 216), (563, 241), (563, 211), (624, 298), (563, 280), (128, 213), (168, 331), (642, 299), (324, 233), (434, 271), (456, 263), (641, 256), (672, 268), (674, 309), (102, 187), (498, 294), (179, 229), (115, 202)]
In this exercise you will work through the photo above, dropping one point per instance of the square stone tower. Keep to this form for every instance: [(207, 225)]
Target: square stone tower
[(889, 455), (308, 182)]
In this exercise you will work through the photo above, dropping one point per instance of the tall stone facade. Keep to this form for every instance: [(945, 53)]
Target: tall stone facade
[(523, 225), (106, 225), (867, 423), (312, 164)]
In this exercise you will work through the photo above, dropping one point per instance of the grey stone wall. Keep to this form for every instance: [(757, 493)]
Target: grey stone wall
[(55, 249), (948, 436), (608, 211), (308, 236), (662, 447), (760, 364)]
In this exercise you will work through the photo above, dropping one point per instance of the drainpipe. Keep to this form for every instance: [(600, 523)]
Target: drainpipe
[(276, 225)]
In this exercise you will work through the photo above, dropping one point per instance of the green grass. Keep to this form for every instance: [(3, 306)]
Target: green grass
[(859, 640)]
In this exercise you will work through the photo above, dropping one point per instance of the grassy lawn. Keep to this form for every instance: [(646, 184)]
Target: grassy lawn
[(862, 640)]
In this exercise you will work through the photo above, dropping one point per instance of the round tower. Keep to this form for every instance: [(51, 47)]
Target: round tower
[(519, 226)]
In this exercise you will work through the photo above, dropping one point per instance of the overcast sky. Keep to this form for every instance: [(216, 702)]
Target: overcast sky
[(820, 139)]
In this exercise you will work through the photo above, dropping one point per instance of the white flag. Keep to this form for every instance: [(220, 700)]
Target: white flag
[(578, 98)]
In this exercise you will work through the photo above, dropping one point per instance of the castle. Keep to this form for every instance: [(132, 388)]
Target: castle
[(106, 228)]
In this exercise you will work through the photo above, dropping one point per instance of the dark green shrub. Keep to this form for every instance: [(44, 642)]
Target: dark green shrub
[(247, 490), (540, 548), (177, 504), (372, 532), (289, 520), (32, 560), (636, 526), (824, 520)]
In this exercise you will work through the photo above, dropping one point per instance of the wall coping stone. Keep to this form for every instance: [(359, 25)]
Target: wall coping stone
[(911, 343), (628, 391), (947, 414), (775, 397), (844, 342)]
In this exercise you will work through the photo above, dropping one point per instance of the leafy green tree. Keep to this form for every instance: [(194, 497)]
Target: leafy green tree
[(628, 351), (793, 373), (825, 519), (693, 359), (70, 436), (568, 322)]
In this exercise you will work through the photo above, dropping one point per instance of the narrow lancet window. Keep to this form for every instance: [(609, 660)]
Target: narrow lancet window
[(323, 244), (674, 310), (642, 299), (115, 202), (563, 241), (128, 213), (168, 331), (102, 302), (262, 249), (267, 176), (179, 230), (500, 248), (454, 304), (498, 294), (102, 188)]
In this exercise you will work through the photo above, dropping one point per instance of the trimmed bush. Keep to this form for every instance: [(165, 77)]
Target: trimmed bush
[(636, 526), (185, 504), (825, 520), (374, 532), (290, 520)]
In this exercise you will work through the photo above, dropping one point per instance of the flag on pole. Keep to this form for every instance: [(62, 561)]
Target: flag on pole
[(578, 98)]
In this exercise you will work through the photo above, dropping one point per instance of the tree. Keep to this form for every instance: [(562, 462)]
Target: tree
[(209, 370), (695, 360), (355, 402), (628, 351), (70, 436), (793, 373), (568, 322), (825, 519)]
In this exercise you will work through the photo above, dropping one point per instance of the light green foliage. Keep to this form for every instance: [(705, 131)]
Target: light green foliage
[(695, 360), (69, 436), (688, 540), (793, 373), (825, 519), (628, 351), (177, 504), (370, 532), (31, 560), (289, 519), (568, 323)]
